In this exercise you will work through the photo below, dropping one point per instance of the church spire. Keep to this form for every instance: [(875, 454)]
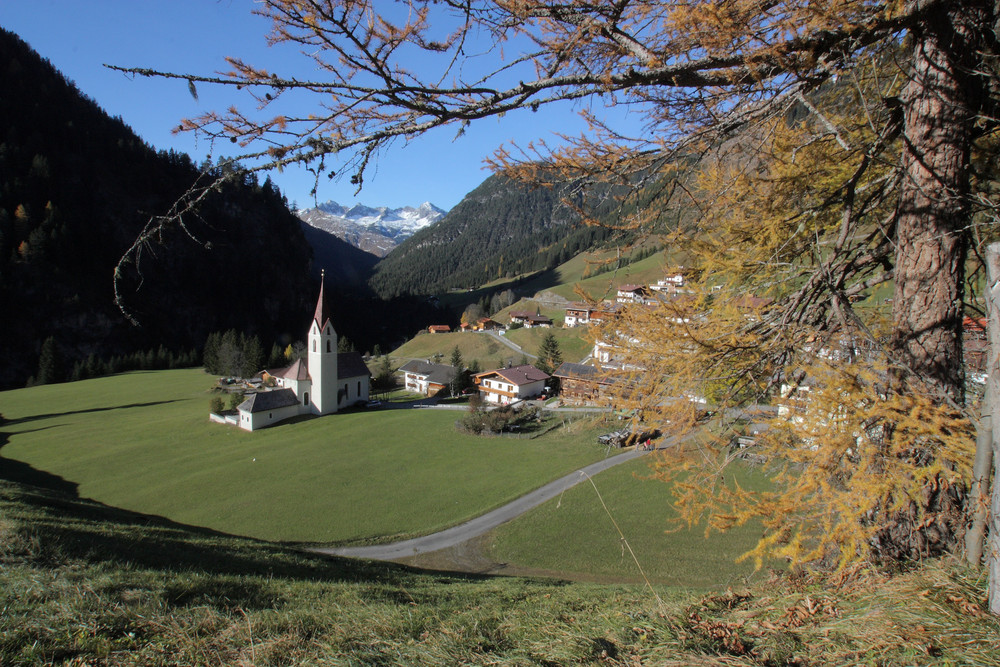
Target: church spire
[(319, 315)]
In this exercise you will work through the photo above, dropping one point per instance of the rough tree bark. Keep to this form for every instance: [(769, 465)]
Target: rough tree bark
[(941, 102)]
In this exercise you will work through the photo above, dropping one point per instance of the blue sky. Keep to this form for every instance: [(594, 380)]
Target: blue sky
[(194, 36)]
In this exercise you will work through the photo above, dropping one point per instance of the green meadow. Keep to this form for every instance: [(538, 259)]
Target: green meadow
[(617, 527), (143, 442)]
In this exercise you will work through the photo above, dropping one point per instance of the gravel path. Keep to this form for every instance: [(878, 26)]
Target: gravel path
[(482, 524)]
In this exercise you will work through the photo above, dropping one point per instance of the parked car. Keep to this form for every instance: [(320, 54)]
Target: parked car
[(374, 403)]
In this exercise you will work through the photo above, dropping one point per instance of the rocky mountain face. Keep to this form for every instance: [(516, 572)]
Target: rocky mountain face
[(374, 230)]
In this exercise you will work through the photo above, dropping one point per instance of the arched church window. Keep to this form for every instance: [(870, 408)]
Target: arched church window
[(314, 346), (327, 345)]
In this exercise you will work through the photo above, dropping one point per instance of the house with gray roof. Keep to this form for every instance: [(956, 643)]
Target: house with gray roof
[(424, 377)]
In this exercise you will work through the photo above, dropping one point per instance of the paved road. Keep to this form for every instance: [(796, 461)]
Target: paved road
[(479, 525)]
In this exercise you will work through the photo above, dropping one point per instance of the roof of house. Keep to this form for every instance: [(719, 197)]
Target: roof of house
[(269, 400), (520, 314), (435, 373), (351, 365), (581, 372), (539, 318), (631, 288), (299, 370), (439, 327), (524, 374)]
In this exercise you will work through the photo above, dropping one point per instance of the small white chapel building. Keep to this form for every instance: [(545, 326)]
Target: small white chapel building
[(320, 384)]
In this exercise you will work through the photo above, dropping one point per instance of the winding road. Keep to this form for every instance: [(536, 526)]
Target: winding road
[(482, 524)]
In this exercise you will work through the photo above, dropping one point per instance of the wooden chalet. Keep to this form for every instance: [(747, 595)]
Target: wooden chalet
[(582, 384)]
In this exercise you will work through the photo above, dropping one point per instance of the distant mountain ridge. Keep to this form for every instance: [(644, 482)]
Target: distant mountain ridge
[(376, 230), (501, 229)]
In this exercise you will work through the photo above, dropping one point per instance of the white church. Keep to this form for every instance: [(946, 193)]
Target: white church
[(320, 384)]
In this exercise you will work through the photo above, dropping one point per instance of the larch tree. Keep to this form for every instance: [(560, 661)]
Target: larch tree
[(806, 153)]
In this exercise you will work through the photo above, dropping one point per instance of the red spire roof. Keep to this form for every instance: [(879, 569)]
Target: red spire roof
[(321, 320)]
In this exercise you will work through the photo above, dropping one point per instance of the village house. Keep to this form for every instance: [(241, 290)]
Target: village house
[(632, 294), (519, 316), (507, 385), (582, 384), (486, 324), (578, 314), (607, 310), (439, 328), (669, 284), (321, 384), (424, 377)]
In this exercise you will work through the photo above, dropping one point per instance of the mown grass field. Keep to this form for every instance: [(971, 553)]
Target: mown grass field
[(143, 442), (585, 532)]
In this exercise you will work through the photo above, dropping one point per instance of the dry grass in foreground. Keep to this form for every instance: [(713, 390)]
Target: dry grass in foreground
[(82, 583)]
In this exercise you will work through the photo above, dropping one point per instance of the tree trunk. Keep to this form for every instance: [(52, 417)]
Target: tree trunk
[(940, 102), (979, 494), (993, 391)]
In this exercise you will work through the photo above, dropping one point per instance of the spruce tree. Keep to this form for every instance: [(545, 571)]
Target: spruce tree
[(50, 365)]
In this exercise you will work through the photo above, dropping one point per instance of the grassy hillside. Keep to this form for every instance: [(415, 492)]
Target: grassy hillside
[(472, 346), (143, 442), (81, 583), (581, 530), (573, 342)]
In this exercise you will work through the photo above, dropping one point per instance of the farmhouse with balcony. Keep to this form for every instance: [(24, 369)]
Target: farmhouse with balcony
[(507, 385), (578, 314), (582, 384)]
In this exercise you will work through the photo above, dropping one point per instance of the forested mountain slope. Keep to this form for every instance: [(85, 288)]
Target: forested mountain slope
[(500, 229), (77, 186)]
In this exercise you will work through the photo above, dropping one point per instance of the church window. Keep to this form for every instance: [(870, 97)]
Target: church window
[(305, 398), (314, 346), (327, 345), (359, 387)]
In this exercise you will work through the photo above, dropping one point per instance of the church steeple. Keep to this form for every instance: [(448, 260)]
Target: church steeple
[(322, 358), (319, 317)]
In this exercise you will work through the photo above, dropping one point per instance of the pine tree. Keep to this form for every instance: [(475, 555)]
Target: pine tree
[(458, 381), (549, 354), (50, 363)]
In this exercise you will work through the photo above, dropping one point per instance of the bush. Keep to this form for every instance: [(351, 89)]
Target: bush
[(235, 400), (502, 419), (215, 405)]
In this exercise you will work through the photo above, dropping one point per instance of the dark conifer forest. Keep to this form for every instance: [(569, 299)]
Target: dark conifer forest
[(76, 188), (499, 230)]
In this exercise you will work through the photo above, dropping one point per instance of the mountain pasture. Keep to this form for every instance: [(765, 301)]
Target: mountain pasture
[(143, 442)]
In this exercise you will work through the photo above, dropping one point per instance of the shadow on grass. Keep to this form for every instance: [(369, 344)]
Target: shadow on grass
[(31, 418), (23, 473), (60, 527)]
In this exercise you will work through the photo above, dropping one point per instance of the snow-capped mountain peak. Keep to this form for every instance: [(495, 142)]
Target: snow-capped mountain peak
[(377, 230)]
